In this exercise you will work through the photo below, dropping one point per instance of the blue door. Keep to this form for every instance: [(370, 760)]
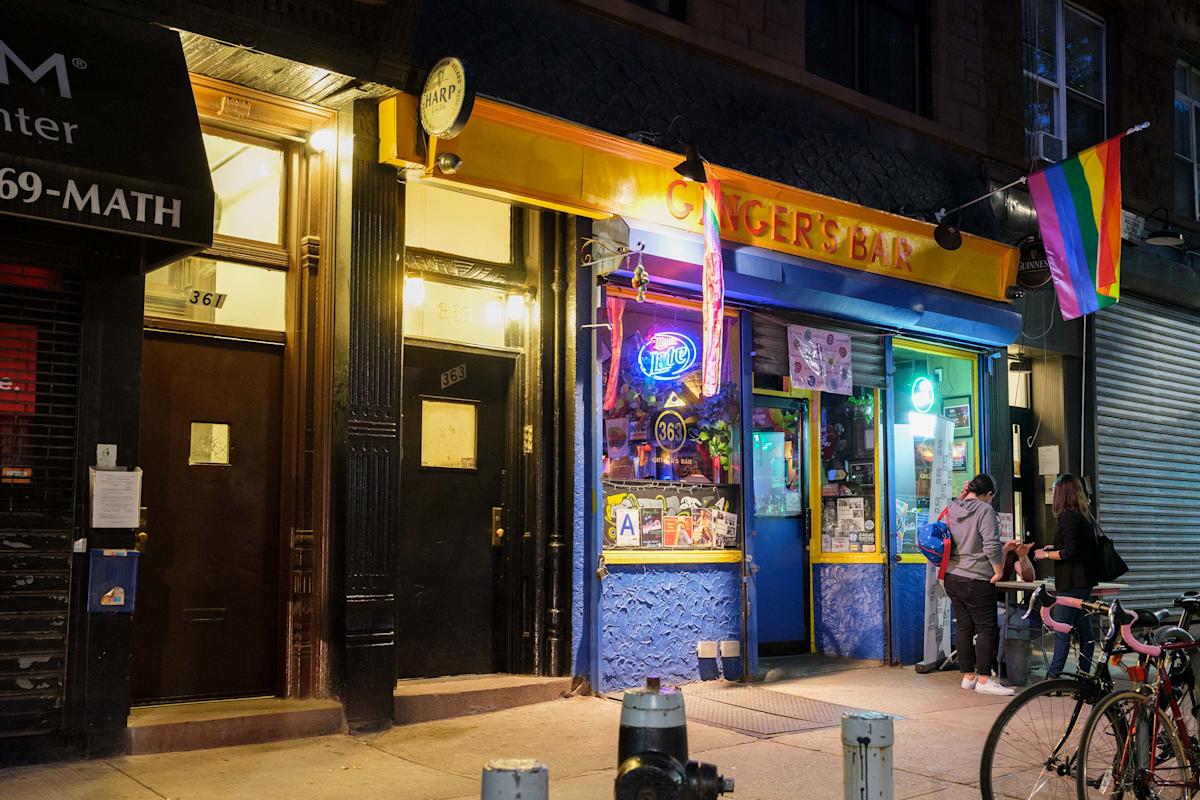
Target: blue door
[(780, 525)]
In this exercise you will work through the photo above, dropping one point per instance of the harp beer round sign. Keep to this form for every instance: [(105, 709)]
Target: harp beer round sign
[(447, 99)]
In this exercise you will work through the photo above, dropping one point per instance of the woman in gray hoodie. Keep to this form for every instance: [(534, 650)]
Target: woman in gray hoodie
[(976, 563)]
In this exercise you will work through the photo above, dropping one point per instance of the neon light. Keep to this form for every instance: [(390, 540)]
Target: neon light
[(666, 355), (923, 395)]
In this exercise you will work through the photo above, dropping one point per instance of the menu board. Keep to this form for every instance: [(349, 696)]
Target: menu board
[(651, 515)]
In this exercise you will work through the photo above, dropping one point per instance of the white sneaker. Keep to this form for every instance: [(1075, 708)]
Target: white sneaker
[(993, 687), (969, 683)]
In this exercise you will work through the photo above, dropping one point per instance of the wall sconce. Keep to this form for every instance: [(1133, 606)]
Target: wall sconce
[(691, 169), (414, 290), (517, 303), (322, 141), (1165, 236)]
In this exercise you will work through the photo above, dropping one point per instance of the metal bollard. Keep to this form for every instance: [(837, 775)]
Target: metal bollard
[(515, 779), (867, 738)]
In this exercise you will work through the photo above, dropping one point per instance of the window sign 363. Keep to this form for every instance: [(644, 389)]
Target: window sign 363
[(198, 297)]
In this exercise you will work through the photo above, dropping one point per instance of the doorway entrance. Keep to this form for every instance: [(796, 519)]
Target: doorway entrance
[(208, 612), (781, 525), (458, 517)]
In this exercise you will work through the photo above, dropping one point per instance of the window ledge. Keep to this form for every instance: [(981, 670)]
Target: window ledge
[(672, 556)]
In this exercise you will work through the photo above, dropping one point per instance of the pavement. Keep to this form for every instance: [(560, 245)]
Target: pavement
[(940, 732)]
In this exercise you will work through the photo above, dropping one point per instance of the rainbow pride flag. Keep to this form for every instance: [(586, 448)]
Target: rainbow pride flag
[(713, 300), (1078, 205)]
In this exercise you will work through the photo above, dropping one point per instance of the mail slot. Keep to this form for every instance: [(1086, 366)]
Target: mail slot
[(112, 581)]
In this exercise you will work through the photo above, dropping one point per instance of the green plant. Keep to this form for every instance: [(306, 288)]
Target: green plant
[(716, 419), (862, 406)]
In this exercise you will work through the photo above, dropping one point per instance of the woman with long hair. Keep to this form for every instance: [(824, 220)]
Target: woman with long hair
[(976, 563), (1075, 552)]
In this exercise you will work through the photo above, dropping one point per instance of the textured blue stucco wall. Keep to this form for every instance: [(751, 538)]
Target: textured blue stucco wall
[(580, 621), (908, 612), (849, 609), (582, 532), (652, 617)]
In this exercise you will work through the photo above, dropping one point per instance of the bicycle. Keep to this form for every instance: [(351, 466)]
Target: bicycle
[(1031, 748), (1136, 742)]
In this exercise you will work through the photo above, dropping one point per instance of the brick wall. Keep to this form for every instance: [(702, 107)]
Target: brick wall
[(1145, 40), (773, 28)]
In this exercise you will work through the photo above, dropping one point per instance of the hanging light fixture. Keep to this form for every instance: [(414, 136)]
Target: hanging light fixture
[(1165, 236), (692, 167), (948, 234)]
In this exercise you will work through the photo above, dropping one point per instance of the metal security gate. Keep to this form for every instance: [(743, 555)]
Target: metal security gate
[(770, 357), (1148, 444), (40, 312)]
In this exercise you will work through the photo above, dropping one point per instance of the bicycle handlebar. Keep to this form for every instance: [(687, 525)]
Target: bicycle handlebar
[(1132, 642)]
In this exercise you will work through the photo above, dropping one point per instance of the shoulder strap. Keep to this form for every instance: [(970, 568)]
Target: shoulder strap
[(945, 565)]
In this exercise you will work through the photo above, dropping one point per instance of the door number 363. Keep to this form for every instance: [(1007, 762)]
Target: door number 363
[(208, 299)]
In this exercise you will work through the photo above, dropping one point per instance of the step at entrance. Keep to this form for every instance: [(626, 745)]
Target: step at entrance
[(223, 723), (425, 699)]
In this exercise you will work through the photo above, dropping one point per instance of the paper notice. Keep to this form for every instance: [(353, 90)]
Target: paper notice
[(1048, 460), (628, 526), (116, 497), (1006, 526)]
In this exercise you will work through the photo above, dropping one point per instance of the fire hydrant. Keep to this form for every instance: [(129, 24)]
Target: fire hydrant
[(652, 753)]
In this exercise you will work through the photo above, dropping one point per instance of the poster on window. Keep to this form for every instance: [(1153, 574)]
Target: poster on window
[(941, 492), (819, 360)]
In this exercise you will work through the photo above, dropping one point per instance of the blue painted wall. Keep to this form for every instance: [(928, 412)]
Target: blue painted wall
[(849, 610), (652, 617), (908, 612)]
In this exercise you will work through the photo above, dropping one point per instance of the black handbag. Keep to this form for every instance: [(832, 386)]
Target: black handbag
[(1109, 564)]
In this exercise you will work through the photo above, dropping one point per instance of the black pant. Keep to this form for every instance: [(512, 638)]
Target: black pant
[(973, 602)]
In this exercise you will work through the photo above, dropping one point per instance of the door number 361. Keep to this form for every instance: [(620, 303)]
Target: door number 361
[(208, 299)]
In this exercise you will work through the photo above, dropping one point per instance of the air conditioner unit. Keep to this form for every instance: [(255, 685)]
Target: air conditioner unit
[(1043, 146)]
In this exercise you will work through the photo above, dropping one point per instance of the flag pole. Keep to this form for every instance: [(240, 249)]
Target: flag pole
[(1136, 129), (943, 213)]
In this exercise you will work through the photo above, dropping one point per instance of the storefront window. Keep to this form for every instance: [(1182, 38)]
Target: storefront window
[(936, 432), (671, 462), (848, 441), (221, 292), (778, 444), (248, 181)]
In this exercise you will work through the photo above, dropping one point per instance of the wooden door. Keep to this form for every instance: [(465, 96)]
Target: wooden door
[(452, 616), (207, 621)]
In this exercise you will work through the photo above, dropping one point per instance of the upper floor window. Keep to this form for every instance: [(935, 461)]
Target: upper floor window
[(675, 9), (1064, 78), (877, 47), (1187, 145)]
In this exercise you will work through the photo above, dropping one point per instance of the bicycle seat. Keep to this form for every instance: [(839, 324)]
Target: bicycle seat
[(1148, 619), (1189, 601)]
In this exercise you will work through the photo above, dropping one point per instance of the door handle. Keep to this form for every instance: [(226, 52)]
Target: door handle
[(140, 540), (497, 526)]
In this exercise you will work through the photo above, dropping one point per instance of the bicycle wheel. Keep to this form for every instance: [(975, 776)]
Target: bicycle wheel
[(1131, 749), (1030, 750)]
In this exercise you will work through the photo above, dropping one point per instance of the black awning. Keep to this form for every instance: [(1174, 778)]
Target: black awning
[(98, 130)]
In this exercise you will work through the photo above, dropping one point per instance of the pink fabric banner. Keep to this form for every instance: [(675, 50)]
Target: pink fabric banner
[(616, 313)]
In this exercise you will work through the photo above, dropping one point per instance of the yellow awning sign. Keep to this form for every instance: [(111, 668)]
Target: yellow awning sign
[(526, 157)]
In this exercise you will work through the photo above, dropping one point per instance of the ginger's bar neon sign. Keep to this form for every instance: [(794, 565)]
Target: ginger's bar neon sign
[(666, 355)]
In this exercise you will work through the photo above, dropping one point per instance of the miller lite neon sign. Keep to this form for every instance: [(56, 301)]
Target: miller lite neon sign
[(667, 355)]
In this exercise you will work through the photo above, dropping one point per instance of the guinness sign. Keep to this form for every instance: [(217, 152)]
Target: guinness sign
[(1033, 270)]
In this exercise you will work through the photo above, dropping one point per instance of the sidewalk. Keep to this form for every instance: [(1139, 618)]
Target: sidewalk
[(938, 742)]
